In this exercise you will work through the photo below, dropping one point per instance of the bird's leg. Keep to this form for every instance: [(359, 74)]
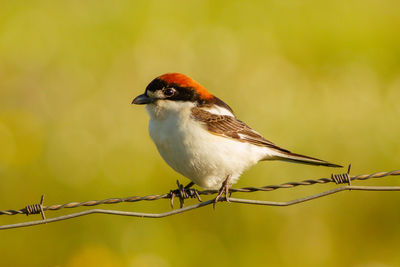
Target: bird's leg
[(226, 185), (183, 193)]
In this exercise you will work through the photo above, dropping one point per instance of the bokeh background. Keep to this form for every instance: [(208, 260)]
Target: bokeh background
[(321, 78)]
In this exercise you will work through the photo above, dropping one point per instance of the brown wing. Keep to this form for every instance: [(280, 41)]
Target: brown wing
[(231, 127)]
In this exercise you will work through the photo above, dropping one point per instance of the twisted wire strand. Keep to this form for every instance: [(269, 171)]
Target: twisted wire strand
[(205, 192), (304, 182), (89, 203), (199, 205)]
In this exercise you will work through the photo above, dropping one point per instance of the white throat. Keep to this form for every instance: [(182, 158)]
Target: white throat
[(162, 109)]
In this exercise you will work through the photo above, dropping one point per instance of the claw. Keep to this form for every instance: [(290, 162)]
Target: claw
[(172, 199), (196, 194)]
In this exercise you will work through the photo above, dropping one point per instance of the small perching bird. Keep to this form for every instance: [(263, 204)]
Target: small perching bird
[(198, 135)]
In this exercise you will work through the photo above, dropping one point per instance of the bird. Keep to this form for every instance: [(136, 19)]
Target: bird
[(199, 136)]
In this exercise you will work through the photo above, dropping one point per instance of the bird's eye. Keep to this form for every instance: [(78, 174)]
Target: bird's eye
[(169, 91)]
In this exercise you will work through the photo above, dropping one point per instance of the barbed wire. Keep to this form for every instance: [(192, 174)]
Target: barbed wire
[(183, 193)]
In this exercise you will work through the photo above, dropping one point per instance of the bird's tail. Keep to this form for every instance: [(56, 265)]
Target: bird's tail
[(297, 158)]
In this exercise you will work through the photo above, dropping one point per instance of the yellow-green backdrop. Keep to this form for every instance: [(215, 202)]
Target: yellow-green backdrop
[(321, 78)]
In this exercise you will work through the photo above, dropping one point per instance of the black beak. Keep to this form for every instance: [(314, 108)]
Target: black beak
[(142, 99)]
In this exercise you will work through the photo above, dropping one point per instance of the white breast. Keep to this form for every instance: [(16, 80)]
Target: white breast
[(191, 150)]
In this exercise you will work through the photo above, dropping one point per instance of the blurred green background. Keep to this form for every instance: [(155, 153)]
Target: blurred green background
[(321, 78)]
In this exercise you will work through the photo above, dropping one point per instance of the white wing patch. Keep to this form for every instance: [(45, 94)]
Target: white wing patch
[(217, 110)]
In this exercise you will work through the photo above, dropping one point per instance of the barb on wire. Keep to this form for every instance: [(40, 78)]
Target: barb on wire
[(35, 209), (39, 208), (342, 178)]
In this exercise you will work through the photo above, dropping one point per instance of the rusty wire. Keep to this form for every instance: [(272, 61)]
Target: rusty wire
[(336, 178)]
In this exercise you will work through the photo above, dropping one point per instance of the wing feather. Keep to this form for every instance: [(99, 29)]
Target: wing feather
[(230, 127)]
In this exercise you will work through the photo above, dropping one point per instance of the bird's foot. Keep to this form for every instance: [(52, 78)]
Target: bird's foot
[(226, 185), (184, 192)]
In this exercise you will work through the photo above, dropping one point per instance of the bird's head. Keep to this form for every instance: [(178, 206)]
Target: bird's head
[(176, 91), (174, 87)]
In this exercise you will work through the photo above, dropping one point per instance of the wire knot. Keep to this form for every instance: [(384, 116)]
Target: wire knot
[(36, 209), (342, 178)]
